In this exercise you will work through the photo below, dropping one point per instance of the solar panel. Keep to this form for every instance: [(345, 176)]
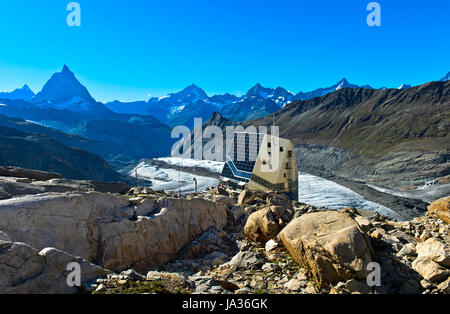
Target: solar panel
[(241, 161)]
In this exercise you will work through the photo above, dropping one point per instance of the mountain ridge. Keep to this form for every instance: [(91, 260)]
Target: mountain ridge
[(391, 136)]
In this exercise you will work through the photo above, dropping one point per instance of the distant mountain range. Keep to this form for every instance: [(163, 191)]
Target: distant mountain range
[(179, 108), (122, 133), (66, 105), (394, 137), (24, 93), (64, 92)]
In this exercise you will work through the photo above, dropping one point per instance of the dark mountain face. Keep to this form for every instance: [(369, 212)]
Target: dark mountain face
[(98, 148), (24, 93), (323, 91), (222, 100), (134, 107), (365, 117), (136, 138), (386, 135), (139, 136), (33, 151), (248, 108), (61, 87)]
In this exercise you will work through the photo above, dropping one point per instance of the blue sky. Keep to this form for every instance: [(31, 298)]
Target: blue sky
[(129, 49)]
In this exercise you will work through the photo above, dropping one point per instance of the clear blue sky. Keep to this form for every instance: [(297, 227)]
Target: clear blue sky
[(128, 49)]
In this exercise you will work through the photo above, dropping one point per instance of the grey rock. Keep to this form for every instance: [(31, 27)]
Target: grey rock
[(248, 260)]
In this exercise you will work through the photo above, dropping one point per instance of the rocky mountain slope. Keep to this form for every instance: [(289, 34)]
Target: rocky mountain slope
[(40, 152), (396, 138)]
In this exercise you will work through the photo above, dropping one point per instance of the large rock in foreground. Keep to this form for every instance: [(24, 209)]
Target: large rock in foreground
[(330, 245), (108, 230), (441, 209), (265, 224), (23, 269)]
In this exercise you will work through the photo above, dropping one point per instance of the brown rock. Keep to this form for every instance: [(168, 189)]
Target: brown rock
[(330, 245), (229, 286), (246, 197), (435, 250), (441, 209), (430, 270), (266, 223), (445, 286), (358, 286)]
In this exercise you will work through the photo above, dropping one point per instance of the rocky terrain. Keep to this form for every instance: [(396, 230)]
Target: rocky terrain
[(218, 242)]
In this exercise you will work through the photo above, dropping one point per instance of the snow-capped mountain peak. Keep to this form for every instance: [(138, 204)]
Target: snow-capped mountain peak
[(63, 91), (192, 91), (24, 93), (259, 90), (404, 86), (62, 87)]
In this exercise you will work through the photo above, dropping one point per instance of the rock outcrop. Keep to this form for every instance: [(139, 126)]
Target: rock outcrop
[(105, 228), (28, 173)]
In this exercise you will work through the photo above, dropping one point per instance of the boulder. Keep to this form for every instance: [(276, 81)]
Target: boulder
[(24, 270), (261, 226), (356, 286), (271, 245), (265, 224), (435, 250), (408, 249), (18, 172), (277, 199), (445, 286), (330, 245), (246, 197), (132, 275), (236, 213), (430, 270), (441, 209), (248, 260)]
